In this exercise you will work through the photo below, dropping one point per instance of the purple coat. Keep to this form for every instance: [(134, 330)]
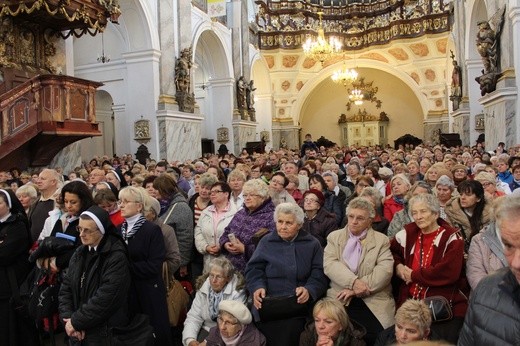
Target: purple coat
[(244, 225)]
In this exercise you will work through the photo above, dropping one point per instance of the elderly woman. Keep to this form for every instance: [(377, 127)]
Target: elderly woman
[(146, 250), (359, 264), (116, 178), (234, 327), (237, 242), (380, 223), (219, 284), (412, 323), (403, 217), (288, 263), (331, 326), (236, 180), (212, 222), (94, 293), (27, 195), (435, 171), (444, 188), (333, 204), (429, 256), (395, 202), (470, 211), (176, 212), (318, 221), (489, 184)]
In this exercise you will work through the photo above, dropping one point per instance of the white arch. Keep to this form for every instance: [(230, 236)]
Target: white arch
[(150, 23), (477, 11), (311, 84), (224, 48)]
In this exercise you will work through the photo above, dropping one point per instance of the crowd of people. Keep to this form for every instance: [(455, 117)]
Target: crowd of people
[(316, 246)]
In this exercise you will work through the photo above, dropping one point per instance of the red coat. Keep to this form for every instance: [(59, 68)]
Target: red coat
[(390, 207), (444, 276)]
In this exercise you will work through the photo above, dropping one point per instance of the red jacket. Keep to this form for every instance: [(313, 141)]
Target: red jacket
[(390, 207), (445, 275)]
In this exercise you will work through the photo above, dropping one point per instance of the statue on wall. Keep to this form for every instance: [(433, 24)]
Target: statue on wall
[(250, 96), (488, 46), (456, 83), (241, 93), (185, 98)]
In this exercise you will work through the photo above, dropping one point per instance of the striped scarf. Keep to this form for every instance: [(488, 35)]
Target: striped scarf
[(129, 233)]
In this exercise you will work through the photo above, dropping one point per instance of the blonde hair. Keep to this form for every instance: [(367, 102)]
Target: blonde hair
[(333, 309), (415, 312)]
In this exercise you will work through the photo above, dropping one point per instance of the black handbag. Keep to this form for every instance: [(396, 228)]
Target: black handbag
[(281, 308), (440, 308), (43, 299), (138, 332)]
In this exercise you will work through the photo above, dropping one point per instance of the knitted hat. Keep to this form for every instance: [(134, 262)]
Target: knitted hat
[(459, 166), (100, 217), (237, 309), (318, 194)]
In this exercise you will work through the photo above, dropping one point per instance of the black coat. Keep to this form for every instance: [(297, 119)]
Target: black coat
[(62, 260), (321, 225), (148, 293), (15, 240), (94, 292)]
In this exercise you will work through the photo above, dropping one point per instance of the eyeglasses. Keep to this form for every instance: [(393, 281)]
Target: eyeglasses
[(216, 277), (86, 230), (248, 195), (215, 192), (357, 218), (122, 202), (310, 200), (220, 320), (487, 183)]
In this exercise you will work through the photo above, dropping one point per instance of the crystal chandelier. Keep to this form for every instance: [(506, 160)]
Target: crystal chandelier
[(344, 76), (356, 96), (319, 49)]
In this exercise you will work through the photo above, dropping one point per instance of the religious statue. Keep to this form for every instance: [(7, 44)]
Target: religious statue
[(488, 46), (250, 97), (456, 83), (185, 98), (283, 143), (241, 93), (182, 71)]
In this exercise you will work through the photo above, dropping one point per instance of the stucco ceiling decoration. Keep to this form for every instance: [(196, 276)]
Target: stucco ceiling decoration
[(441, 45), (286, 85), (374, 56), (289, 60), (430, 75), (269, 59), (399, 53), (299, 85), (415, 77), (287, 23), (420, 49), (309, 63)]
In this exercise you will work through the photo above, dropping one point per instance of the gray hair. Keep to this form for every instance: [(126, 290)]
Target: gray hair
[(429, 200), (403, 177), (224, 264), (363, 204), (207, 180), (28, 190), (291, 209), (507, 208), (256, 186), (373, 192), (444, 180), (331, 174)]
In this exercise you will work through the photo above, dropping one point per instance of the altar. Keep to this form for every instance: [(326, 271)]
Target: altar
[(363, 129)]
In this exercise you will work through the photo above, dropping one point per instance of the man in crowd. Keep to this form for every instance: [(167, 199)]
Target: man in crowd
[(493, 317), (49, 181)]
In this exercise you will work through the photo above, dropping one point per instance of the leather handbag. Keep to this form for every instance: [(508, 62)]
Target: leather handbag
[(177, 299), (281, 308), (440, 308)]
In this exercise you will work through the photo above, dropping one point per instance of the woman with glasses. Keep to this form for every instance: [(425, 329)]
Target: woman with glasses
[(234, 327), (94, 294), (359, 264), (147, 252), (219, 284), (277, 190), (237, 242), (212, 222), (318, 221)]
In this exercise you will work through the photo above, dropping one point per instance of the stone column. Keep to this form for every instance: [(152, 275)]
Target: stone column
[(514, 16), (179, 135), (474, 68), (219, 113), (167, 40), (68, 158), (243, 132), (499, 112)]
